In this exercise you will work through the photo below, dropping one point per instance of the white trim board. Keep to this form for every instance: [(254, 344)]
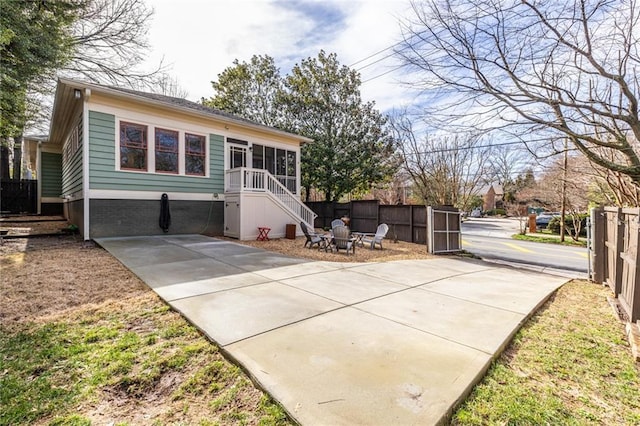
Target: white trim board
[(51, 200), (110, 194)]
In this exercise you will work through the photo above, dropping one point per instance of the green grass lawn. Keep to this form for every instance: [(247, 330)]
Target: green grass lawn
[(135, 361), (120, 359), (569, 365), (550, 239)]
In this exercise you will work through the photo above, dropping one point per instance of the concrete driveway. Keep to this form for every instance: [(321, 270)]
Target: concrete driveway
[(343, 343)]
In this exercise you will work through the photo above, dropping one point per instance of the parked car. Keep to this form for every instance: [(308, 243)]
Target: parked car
[(476, 213), (543, 219)]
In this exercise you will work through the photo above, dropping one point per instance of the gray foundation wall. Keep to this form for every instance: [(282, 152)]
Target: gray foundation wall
[(74, 213), (51, 209), (121, 218)]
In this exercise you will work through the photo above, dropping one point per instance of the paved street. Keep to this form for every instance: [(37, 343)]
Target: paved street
[(491, 239)]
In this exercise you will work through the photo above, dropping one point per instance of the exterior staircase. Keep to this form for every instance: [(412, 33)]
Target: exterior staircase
[(245, 179)]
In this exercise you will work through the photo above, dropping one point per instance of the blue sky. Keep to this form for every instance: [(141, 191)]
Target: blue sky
[(200, 38)]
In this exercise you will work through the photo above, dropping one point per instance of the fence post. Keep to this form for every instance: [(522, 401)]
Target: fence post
[(429, 230), (619, 218), (597, 245)]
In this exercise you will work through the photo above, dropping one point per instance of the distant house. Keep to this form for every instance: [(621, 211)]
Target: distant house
[(492, 197), (112, 153)]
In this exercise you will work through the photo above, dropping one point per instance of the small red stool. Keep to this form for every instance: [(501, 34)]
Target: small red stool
[(263, 233)]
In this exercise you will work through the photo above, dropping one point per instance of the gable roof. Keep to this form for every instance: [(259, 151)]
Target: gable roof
[(482, 190), (65, 93)]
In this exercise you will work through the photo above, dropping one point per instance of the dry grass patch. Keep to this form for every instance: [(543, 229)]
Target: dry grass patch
[(29, 225), (83, 340), (46, 275)]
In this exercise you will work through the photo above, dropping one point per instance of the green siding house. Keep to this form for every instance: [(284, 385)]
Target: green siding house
[(112, 153)]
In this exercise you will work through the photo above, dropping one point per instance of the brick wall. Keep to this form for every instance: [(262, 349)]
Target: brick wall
[(110, 218), (73, 211)]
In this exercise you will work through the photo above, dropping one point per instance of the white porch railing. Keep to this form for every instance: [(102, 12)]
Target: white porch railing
[(256, 180)]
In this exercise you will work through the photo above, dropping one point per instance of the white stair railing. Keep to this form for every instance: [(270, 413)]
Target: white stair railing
[(257, 180)]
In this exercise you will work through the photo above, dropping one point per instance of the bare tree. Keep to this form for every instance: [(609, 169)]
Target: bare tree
[(170, 86), (558, 68), (397, 191), (446, 170), (110, 42), (611, 187), (506, 162)]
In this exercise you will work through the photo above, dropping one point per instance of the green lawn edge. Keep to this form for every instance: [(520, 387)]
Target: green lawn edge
[(549, 240)]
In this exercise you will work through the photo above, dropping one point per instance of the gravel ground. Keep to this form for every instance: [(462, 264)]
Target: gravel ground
[(391, 250)]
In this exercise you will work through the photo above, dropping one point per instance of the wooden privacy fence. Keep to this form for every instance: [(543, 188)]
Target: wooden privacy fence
[(615, 255), (406, 222), (19, 196)]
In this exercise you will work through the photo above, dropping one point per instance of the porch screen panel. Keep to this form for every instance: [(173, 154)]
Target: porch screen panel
[(270, 159), (258, 157), (291, 171)]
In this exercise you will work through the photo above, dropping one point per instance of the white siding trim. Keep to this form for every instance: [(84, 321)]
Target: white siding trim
[(85, 161), (39, 175), (73, 197), (110, 194), (51, 200), (44, 147)]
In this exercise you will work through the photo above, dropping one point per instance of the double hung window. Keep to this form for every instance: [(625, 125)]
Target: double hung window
[(133, 146), (195, 154), (171, 151), (166, 151)]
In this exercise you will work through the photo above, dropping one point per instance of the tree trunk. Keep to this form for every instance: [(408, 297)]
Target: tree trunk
[(564, 192)]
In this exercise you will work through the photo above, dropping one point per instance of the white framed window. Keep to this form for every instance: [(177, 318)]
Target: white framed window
[(167, 150), (149, 148), (195, 154), (133, 146)]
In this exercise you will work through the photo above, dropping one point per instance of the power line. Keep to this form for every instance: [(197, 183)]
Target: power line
[(438, 151), (376, 61), (374, 54), (388, 47), (380, 75), (460, 148)]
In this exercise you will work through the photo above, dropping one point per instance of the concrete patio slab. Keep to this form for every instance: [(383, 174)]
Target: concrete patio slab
[(188, 239), (310, 268), (344, 343), (417, 272), (219, 249), (344, 286), (263, 260), (503, 288), (349, 367), (449, 317), (183, 290), (139, 251), (241, 313), (184, 271)]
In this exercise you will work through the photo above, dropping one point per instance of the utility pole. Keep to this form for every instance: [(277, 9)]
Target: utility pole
[(564, 192)]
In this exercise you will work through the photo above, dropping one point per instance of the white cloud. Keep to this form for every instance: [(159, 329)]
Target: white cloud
[(200, 38)]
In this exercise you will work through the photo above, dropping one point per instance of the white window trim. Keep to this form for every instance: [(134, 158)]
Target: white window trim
[(151, 149), (180, 150), (207, 158)]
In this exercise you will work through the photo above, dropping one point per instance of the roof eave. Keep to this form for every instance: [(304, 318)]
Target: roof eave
[(190, 111)]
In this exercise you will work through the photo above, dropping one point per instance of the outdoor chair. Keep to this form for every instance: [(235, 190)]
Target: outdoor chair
[(342, 240), (376, 239), (312, 237), (337, 222)]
